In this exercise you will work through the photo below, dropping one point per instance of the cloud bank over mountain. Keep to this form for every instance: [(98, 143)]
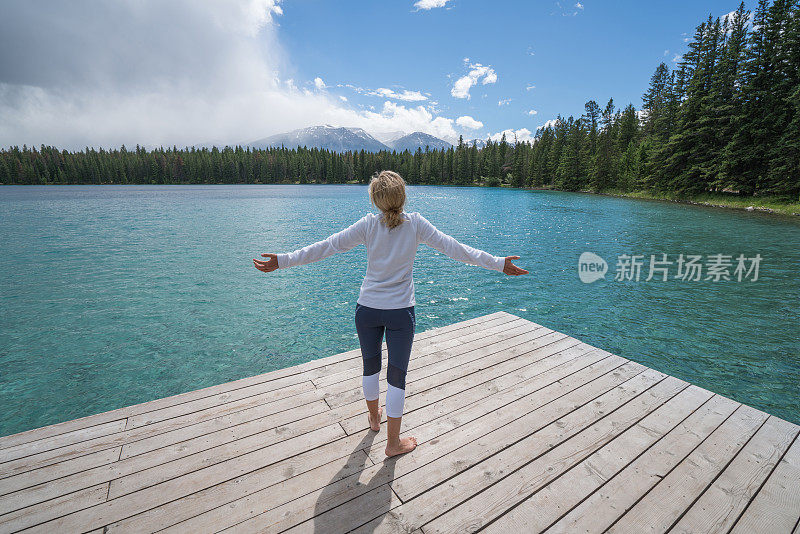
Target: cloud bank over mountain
[(161, 73)]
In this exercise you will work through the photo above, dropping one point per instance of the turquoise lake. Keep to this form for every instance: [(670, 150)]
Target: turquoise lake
[(115, 295)]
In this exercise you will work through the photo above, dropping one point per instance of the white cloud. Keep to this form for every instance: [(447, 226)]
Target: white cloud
[(530, 87), (430, 4), (468, 122), (569, 11), (731, 17), (549, 124), (200, 72), (476, 73), (523, 134), (504, 102), (532, 112), (395, 116), (677, 58), (343, 98), (405, 95)]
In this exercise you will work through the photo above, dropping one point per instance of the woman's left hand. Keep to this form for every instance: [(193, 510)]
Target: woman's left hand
[(512, 270), (267, 266)]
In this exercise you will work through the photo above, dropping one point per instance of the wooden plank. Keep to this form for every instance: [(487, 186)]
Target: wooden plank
[(260, 403), (123, 413), (601, 509), (517, 425), (38, 476), (486, 384), (27, 449), (375, 504), (474, 468), (249, 484), (721, 504), (75, 450), (533, 432), (513, 479), (228, 504), (666, 502), (776, 507), (442, 348), (158, 473), (467, 355), (35, 515), (130, 469), (549, 502), (42, 452), (333, 494), (470, 374), (128, 505), (267, 431)]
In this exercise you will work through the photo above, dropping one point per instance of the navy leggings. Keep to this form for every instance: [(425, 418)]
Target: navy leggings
[(399, 325)]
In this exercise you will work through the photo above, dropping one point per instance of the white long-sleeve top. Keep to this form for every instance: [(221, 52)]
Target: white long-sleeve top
[(388, 283)]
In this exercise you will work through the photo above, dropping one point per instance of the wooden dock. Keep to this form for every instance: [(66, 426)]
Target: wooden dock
[(521, 429)]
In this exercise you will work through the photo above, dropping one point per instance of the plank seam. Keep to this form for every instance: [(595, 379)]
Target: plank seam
[(127, 409), (591, 350), (231, 413), (633, 424), (528, 435), (623, 362), (766, 479), (527, 330), (553, 400), (700, 444), (399, 498), (430, 354), (663, 436), (498, 351), (711, 483)]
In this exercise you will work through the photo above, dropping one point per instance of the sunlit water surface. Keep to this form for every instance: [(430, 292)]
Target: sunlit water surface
[(115, 295)]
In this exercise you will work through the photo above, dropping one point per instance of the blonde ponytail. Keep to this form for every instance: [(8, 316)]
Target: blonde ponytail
[(387, 191)]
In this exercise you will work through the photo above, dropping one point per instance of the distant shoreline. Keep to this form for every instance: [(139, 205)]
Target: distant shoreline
[(765, 204), (770, 205)]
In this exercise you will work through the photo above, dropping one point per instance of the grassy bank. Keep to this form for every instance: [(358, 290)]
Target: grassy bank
[(766, 204)]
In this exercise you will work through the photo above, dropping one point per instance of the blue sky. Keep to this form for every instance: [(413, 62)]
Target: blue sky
[(569, 53), (181, 72)]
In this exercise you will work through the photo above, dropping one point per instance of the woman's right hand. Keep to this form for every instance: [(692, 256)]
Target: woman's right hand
[(267, 266), (512, 270)]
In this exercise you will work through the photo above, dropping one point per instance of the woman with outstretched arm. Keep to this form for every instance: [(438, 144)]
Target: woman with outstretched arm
[(386, 301)]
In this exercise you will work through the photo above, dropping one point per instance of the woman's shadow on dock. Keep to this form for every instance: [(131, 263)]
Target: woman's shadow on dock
[(346, 501)]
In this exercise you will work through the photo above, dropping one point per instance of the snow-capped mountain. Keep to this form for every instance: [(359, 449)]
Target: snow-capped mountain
[(480, 143), (332, 138), (387, 138), (413, 141)]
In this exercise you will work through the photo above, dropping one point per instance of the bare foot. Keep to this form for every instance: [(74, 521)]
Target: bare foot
[(405, 445), (375, 425)]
